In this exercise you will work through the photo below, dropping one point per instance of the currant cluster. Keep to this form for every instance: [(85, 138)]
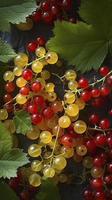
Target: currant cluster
[(51, 10), (33, 45)]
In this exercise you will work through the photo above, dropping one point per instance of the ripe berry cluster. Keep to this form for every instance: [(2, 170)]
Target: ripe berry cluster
[(51, 10)]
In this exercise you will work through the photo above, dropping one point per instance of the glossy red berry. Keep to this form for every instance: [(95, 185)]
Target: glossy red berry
[(47, 17), (100, 140), (97, 183), (95, 92), (41, 41), (104, 123), (86, 95), (36, 87), (109, 80), (32, 108), (7, 97), (83, 83), (108, 179), (109, 168), (98, 161), (45, 6), (48, 113), (25, 90), (88, 195), (67, 140), (67, 4), (10, 87), (109, 141), (36, 16), (105, 91), (94, 118), (90, 145), (27, 74), (98, 102), (31, 47), (100, 195), (39, 101), (36, 118), (104, 70)]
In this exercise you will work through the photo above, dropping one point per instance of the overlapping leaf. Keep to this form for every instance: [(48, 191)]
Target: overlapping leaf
[(5, 140), (6, 52), (85, 45), (11, 161), (22, 122), (6, 193), (15, 11)]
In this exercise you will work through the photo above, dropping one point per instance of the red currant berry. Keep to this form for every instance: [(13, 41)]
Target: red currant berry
[(100, 196), (97, 183), (31, 47), (36, 16), (67, 140), (7, 98), (45, 6), (67, 4), (108, 179), (100, 140), (83, 83), (41, 41), (110, 112), (109, 80), (109, 168), (25, 90), (32, 108), (105, 91), (10, 87), (36, 118), (88, 195), (47, 17), (94, 119), (27, 74), (48, 113), (36, 86), (14, 183), (104, 70), (98, 102), (109, 141), (105, 123), (95, 92), (91, 146), (98, 161), (86, 95), (39, 101)]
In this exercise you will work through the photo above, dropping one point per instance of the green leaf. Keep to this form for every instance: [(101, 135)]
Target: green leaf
[(6, 193), (6, 52), (48, 191), (22, 122), (5, 140), (11, 161), (82, 45), (15, 11), (98, 13)]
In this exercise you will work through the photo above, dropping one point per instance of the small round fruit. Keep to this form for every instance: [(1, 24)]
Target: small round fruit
[(21, 82), (73, 85), (72, 110), (70, 75), (88, 162), (80, 127), (97, 172), (45, 74), (34, 150), (59, 163), (3, 114), (36, 165), (27, 74), (8, 76), (37, 67), (21, 60), (49, 172), (69, 98), (40, 52), (49, 87), (64, 121), (51, 57), (33, 134), (81, 104), (35, 180), (17, 71), (81, 150), (46, 137), (67, 152), (21, 99)]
